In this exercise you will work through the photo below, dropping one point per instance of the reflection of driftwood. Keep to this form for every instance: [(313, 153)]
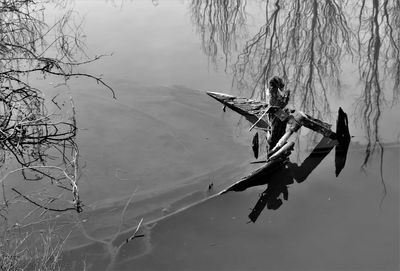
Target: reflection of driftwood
[(271, 198), (300, 173), (258, 176), (279, 181)]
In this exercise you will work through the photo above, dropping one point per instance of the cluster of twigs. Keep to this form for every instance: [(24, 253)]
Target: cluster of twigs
[(30, 136), (33, 137), (34, 142)]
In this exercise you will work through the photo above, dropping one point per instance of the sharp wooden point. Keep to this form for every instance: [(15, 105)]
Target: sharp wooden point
[(219, 96)]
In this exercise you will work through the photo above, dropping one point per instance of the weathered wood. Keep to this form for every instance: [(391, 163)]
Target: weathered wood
[(342, 127), (317, 125), (255, 145), (343, 136), (294, 124), (259, 119), (277, 119), (252, 110), (285, 150)]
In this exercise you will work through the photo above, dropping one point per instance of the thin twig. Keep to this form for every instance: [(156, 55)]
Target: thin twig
[(41, 206)]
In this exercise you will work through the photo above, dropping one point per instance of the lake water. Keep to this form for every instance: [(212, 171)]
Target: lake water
[(164, 138)]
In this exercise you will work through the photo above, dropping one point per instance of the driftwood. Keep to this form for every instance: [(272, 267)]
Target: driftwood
[(278, 172), (252, 110), (259, 113), (280, 124), (255, 145), (343, 137), (278, 117), (280, 156)]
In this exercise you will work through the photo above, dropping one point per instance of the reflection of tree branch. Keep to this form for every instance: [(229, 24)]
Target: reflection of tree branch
[(391, 15), (256, 59), (29, 135), (381, 50), (39, 205), (221, 24), (303, 42)]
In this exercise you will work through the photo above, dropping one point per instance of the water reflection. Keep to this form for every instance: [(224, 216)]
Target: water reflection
[(221, 25), (279, 178), (308, 43), (378, 37), (37, 136), (40, 147)]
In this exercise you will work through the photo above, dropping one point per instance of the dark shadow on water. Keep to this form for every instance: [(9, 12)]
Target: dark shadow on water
[(280, 175)]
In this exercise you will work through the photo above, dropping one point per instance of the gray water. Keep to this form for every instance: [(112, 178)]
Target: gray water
[(164, 138)]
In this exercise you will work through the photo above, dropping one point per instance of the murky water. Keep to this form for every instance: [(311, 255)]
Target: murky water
[(165, 139)]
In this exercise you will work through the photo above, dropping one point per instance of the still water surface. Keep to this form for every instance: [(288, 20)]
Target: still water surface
[(164, 138)]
